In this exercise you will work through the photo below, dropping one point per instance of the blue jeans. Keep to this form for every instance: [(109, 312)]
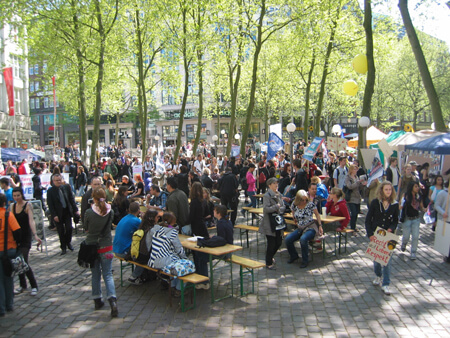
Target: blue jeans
[(6, 285), (305, 236), (71, 179), (103, 266), (353, 208), (252, 203), (384, 271), (411, 226), (137, 271)]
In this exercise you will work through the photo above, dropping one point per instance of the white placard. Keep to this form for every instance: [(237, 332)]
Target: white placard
[(380, 250)]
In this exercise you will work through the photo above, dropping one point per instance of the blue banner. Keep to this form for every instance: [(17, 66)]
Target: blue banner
[(274, 145), (235, 151), (312, 149)]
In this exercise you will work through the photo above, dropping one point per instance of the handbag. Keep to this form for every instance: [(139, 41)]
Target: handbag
[(12, 266), (87, 255), (180, 268), (89, 252), (348, 193), (277, 222)]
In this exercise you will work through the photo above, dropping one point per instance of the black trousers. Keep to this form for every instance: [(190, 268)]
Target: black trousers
[(64, 227), (30, 275), (231, 202), (273, 244)]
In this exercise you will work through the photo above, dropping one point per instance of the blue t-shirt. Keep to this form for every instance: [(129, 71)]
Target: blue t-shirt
[(9, 198), (124, 233)]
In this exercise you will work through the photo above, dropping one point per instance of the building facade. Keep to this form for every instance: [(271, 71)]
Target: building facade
[(15, 130)]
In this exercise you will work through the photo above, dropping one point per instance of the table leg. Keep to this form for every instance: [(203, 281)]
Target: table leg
[(211, 278)]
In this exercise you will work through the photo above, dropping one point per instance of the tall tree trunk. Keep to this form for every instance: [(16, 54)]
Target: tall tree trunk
[(251, 103), (186, 64), (99, 85), (308, 96), (200, 100), (370, 82), (234, 85), (325, 73), (142, 93), (81, 85), (423, 67)]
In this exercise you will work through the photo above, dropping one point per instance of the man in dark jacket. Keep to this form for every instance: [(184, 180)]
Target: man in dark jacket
[(301, 182), (62, 206), (228, 187)]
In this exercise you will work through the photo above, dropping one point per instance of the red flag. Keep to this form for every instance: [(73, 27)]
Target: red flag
[(8, 74)]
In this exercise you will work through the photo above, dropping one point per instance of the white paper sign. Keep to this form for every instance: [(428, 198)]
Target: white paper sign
[(442, 238), (380, 250)]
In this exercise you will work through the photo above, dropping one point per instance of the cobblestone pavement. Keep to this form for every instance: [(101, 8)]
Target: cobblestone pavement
[(332, 297)]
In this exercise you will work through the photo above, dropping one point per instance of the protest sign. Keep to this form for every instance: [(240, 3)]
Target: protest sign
[(312, 149), (137, 169), (336, 143), (380, 250)]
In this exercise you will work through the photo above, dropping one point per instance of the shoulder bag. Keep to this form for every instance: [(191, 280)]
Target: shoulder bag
[(88, 252), (12, 266)]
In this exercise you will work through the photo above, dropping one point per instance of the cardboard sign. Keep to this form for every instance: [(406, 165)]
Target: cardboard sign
[(336, 143), (385, 148), (442, 238), (380, 250)]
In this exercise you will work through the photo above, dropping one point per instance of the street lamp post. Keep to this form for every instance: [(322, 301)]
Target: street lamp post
[(237, 137), (291, 127), (364, 122), (222, 132), (157, 141), (215, 138), (321, 133)]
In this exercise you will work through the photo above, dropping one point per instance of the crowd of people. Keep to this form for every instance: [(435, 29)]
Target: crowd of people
[(190, 194)]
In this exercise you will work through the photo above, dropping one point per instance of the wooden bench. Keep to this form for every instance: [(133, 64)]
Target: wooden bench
[(343, 233), (244, 229), (186, 282), (249, 265)]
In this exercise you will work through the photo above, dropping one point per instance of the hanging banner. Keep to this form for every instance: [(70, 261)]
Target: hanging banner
[(313, 148), (380, 250), (8, 74), (274, 145), (27, 183)]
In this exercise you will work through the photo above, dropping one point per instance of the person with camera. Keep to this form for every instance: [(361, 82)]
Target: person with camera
[(353, 183)]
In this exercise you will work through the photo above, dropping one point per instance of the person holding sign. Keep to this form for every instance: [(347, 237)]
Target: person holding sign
[(383, 212)]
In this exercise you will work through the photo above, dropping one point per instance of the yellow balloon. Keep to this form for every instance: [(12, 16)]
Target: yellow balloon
[(360, 64), (350, 87)]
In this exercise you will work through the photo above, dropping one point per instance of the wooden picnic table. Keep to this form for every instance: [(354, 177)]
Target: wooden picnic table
[(216, 253), (327, 219)]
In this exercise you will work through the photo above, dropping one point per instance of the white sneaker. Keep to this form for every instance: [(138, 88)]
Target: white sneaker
[(33, 292), (386, 290), (19, 290), (377, 281), (204, 286)]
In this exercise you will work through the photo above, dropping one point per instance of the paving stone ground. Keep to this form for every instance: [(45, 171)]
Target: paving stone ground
[(333, 297)]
